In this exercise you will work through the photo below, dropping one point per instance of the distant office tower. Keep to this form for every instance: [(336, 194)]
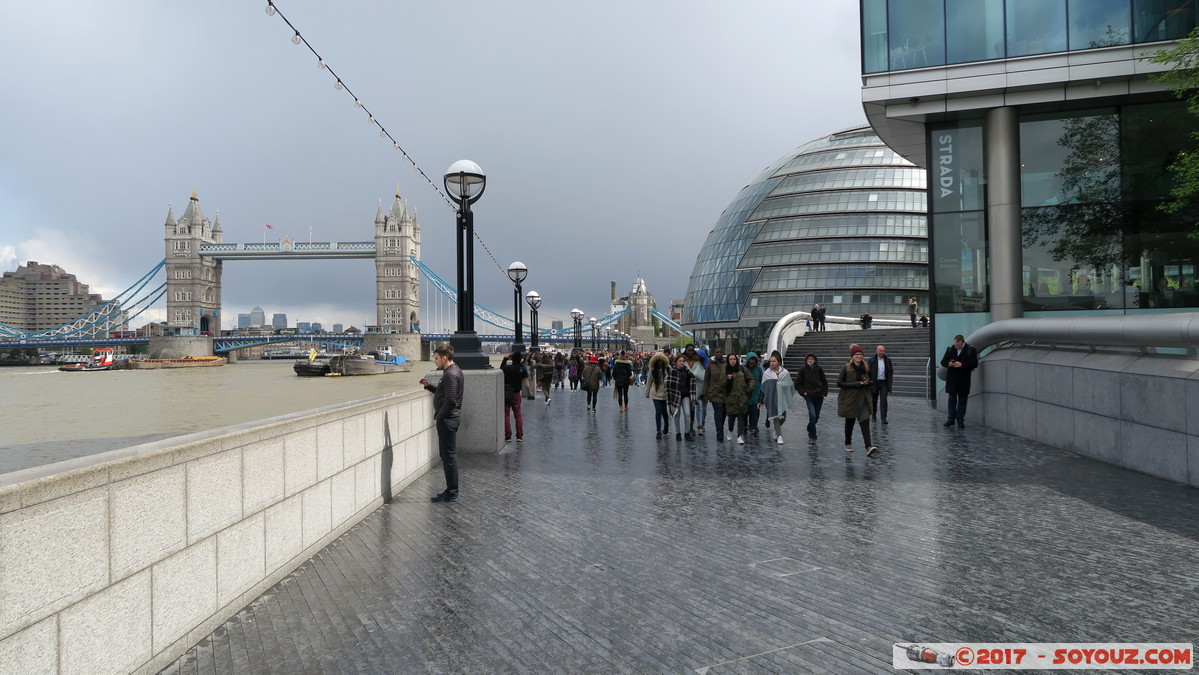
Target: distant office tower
[(279, 321), (40, 297), (337, 328), (303, 327), (243, 321), (317, 327), (257, 317)]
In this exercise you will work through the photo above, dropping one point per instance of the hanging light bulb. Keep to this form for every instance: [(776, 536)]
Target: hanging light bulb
[(357, 103), (295, 39), (270, 8), (337, 84), (382, 133), (371, 119), (320, 63)]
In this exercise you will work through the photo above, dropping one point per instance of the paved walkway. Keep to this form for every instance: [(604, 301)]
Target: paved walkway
[(594, 548)]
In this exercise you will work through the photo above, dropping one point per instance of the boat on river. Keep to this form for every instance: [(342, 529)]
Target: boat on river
[(374, 363), (185, 362), (101, 359)]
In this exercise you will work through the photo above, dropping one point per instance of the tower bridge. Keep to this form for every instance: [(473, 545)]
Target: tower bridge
[(195, 256)]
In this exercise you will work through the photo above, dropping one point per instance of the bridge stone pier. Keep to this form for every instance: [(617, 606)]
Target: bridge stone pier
[(179, 346)]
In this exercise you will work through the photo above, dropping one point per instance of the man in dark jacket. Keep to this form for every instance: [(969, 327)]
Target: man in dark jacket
[(447, 412), (881, 374), (514, 379), (960, 360)]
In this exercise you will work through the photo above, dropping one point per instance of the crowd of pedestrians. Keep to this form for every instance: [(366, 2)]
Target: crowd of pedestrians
[(741, 390), (746, 393)]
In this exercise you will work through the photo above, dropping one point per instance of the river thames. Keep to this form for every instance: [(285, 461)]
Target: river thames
[(50, 416)]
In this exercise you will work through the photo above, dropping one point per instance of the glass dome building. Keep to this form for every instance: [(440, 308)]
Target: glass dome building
[(840, 221)]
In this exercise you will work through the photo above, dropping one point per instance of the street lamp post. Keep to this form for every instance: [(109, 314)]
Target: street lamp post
[(464, 182), (534, 300), (517, 273), (577, 315), (594, 346)]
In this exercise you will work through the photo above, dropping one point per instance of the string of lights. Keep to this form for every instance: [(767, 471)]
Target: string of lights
[(340, 85)]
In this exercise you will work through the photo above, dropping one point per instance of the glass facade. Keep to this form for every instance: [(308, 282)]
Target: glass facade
[(1091, 184), (841, 221), (905, 34)]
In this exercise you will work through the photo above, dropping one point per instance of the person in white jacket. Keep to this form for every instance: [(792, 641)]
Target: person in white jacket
[(778, 392)]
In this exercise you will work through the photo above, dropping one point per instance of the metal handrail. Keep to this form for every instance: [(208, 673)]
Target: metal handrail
[(1176, 331)]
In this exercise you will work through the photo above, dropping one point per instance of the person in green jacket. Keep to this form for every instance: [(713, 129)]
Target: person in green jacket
[(714, 378), (737, 387), (754, 366)]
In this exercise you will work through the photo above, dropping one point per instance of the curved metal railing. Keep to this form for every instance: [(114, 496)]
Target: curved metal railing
[(1170, 331)]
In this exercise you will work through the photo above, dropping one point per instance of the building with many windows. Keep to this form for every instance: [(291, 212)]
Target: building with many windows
[(839, 221), (1048, 148), (39, 297)]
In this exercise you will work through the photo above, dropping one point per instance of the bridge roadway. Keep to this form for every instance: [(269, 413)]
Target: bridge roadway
[(592, 547)]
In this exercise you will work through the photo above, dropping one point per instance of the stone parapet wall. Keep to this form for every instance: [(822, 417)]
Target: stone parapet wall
[(1136, 411), (120, 561)]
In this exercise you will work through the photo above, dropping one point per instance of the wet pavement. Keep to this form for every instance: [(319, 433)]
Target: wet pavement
[(594, 548)]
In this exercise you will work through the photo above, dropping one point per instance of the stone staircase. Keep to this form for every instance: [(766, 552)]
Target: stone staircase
[(907, 347)]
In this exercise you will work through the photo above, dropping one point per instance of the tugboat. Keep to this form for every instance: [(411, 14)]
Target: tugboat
[(102, 359)]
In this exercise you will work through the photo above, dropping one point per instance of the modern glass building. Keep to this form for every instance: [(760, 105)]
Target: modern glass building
[(839, 221), (1048, 148)]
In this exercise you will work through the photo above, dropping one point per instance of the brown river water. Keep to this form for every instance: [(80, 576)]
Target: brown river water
[(49, 416)]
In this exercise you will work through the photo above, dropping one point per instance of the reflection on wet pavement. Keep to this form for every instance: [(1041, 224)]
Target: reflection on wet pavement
[(593, 547)]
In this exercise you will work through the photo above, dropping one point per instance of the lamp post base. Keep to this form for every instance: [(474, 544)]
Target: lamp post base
[(468, 351)]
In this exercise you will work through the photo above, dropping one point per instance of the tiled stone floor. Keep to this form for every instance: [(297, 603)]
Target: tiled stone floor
[(594, 548)]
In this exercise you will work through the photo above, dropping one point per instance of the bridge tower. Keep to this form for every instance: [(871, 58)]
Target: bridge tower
[(193, 284), (193, 281), (397, 282)]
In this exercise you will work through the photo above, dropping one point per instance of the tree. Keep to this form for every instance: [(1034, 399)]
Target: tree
[(1183, 80)]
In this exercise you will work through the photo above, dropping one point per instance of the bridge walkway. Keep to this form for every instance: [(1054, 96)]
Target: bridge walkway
[(594, 547)]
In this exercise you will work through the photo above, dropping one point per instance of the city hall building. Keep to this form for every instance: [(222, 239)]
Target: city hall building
[(1048, 150), (839, 221)]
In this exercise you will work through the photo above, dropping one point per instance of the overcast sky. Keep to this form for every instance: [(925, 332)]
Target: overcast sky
[(613, 134)]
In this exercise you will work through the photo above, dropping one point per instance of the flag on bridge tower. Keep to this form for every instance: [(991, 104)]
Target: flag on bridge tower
[(269, 227)]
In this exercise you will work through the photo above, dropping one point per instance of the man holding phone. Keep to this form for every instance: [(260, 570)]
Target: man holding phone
[(960, 360)]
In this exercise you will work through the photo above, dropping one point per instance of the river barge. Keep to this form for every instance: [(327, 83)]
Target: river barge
[(185, 362)]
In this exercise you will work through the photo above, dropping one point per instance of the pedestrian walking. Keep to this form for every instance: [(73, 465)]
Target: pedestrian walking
[(591, 382), (574, 369), (680, 389), (823, 316), (697, 362), (778, 390), (737, 386), (622, 377), (559, 370), (813, 387), (447, 414), (853, 401), (545, 375), (882, 373), (960, 360), (753, 365), (714, 379), (513, 368), (655, 390), (913, 310)]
